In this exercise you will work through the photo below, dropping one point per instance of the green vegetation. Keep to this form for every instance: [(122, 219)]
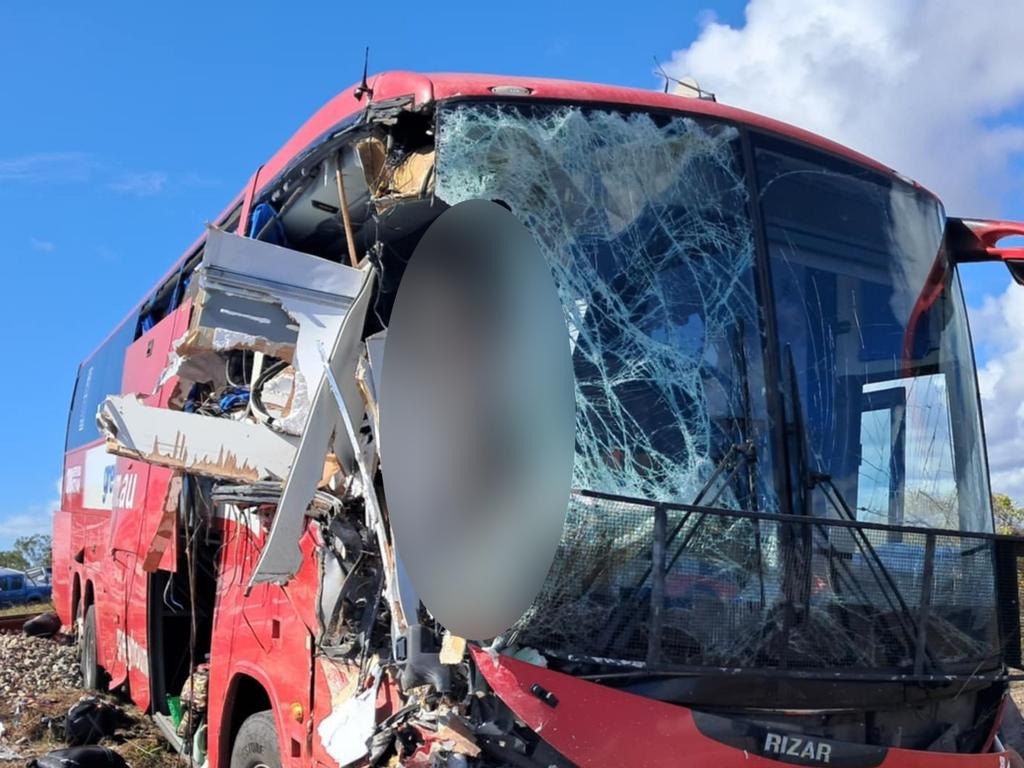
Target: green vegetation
[(28, 552), (17, 610), (1009, 517)]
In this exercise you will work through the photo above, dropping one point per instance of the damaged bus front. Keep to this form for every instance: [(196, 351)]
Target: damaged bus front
[(782, 512), (779, 541)]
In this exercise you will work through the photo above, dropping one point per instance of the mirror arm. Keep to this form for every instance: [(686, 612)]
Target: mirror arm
[(977, 240)]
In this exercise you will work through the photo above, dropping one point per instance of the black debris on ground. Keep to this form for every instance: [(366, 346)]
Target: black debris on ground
[(40, 688)]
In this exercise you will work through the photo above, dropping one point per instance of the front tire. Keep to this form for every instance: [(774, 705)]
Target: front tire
[(256, 744), (87, 660)]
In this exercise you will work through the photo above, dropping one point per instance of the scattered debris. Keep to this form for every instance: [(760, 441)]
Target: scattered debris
[(346, 732), (193, 700), (43, 625), (89, 720), (80, 757), (39, 692)]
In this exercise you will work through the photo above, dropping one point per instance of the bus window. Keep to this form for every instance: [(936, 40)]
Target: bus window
[(98, 377)]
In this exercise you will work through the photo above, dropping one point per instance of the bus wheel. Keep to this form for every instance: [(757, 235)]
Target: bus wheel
[(87, 662), (256, 743)]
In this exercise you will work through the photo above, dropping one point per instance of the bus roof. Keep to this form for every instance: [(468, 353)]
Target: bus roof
[(438, 87), (426, 88)]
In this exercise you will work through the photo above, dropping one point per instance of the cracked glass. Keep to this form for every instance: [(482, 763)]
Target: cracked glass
[(643, 219)]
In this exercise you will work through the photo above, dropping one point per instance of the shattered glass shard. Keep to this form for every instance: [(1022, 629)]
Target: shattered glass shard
[(643, 220)]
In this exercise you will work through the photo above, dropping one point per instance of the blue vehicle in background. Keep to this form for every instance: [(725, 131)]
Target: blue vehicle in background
[(21, 588)]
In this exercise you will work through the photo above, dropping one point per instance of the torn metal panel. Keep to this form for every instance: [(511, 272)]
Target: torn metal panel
[(226, 319), (202, 445), (260, 297), (281, 556), (368, 374), (252, 265), (375, 354), (311, 291), (166, 527)]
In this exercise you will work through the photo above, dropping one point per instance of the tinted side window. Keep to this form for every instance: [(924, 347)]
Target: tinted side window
[(98, 377), (17, 582)]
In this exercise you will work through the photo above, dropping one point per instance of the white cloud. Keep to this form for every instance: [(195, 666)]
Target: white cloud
[(918, 84), (999, 325), (43, 246), (47, 168), (144, 184), (35, 518)]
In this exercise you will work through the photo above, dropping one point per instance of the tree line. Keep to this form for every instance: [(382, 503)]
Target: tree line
[(27, 552)]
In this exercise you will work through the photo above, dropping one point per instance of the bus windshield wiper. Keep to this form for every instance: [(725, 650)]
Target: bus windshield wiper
[(721, 476), (739, 454), (811, 479)]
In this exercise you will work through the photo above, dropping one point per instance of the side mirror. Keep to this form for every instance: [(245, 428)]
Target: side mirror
[(972, 240)]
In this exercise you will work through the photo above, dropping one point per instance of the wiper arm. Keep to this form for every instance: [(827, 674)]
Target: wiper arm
[(871, 557), (737, 455), (810, 479)]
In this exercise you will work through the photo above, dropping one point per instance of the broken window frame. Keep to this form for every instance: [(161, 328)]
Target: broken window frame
[(169, 295)]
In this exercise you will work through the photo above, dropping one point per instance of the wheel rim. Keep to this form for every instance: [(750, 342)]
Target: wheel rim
[(87, 658)]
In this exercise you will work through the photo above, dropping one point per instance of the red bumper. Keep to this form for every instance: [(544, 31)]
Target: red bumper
[(593, 725)]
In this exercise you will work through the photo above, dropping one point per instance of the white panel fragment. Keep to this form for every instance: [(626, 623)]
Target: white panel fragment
[(346, 732), (203, 445)]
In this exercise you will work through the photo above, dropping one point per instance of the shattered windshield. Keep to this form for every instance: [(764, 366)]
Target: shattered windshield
[(644, 221), (673, 555)]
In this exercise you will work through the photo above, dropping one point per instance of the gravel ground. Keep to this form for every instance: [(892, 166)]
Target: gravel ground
[(33, 665), (39, 681)]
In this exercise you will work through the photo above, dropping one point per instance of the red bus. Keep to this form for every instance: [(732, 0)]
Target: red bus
[(779, 545)]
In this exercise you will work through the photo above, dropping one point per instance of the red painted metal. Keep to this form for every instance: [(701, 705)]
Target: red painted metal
[(596, 726), (988, 233)]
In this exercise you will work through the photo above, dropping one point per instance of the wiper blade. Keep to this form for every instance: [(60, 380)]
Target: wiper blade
[(871, 557), (809, 480), (737, 455)]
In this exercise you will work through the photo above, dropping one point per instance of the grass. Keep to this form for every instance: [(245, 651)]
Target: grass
[(33, 608)]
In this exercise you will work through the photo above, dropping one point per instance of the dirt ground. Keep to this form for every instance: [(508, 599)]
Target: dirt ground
[(33, 704), (38, 729)]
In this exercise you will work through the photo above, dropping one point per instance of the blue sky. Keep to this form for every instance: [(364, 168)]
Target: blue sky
[(128, 125)]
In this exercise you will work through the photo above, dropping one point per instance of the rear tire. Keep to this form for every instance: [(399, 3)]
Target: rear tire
[(88, 663), (256, 744)]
